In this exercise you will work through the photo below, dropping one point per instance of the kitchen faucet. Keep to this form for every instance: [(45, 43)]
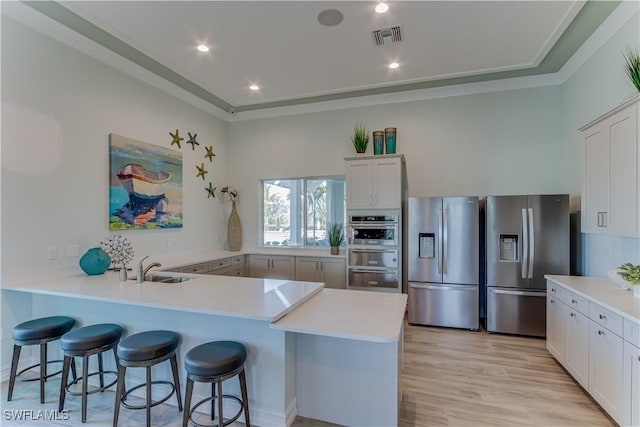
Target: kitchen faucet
[(141, 272)]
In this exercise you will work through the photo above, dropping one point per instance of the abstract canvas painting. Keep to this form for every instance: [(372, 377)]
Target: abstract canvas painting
[(145, 185)]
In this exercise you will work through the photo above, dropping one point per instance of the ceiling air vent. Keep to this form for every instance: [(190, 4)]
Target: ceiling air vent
[(387, 35)]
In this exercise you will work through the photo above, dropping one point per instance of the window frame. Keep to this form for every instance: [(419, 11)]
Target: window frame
[(304, 210)]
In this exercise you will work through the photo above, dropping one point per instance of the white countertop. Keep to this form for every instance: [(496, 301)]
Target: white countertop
[(604, 291), (249, 298), (357, 315)]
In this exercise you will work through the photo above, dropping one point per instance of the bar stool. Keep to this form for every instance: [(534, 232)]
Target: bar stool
[(146, 349), (37, 332), (84, 342), (213, 363)]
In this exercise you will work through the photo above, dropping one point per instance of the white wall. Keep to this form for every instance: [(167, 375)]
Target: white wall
[(58, 108), (596, 87), (496, 143)]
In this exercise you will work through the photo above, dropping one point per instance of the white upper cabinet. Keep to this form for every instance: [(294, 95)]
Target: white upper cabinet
[(374, 182), (611, 182)]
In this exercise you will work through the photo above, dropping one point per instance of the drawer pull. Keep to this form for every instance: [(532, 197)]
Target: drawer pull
[(552, 301), (573, 315), (553, 290), (573, 301), (600, 332), (602, 317)]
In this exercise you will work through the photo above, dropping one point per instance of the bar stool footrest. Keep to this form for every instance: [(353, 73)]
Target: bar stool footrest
[(153, 403), (26, 380), (211, 399), (95, 390)]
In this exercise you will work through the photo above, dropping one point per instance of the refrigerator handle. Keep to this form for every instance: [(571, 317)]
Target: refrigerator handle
[(530, 239), (439, 246), (525, 246), (445, 240)]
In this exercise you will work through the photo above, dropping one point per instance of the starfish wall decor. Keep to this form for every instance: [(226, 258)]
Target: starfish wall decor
[(192, 140), (209, 154), (211, 191), (176, 138), (201, 171)]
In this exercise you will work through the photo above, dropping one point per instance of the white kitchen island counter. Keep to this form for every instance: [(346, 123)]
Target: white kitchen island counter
[(348, 356), (289, 371), (248, 298)]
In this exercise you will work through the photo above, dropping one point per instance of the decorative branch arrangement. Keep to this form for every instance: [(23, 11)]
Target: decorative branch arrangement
[(230, 193)]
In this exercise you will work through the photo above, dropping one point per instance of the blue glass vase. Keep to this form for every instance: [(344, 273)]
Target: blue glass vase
[(95, 261)]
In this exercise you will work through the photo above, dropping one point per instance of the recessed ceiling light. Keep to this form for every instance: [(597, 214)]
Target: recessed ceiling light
[(203, 48), (394, 65), (330, 17), (382, 7), (254, 87)]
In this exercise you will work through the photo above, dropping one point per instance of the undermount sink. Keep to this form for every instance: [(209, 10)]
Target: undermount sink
[(166, 279), (161, 278)]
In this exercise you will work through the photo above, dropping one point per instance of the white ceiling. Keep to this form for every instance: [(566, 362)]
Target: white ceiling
[(281, 46)]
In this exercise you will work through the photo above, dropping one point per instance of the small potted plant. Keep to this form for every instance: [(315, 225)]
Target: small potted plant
[(631, 274), (336, 237), (360, 138), (632, 66)]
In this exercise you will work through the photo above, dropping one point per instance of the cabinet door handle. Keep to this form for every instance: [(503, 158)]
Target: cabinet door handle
[(553, 290), (573, 315), (552, 301), (600, 332), (602, 317), (574, 301)]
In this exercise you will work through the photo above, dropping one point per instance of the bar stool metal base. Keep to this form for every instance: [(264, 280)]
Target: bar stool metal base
[(46, 377), (94, 390), (153, 403), (214, 421)]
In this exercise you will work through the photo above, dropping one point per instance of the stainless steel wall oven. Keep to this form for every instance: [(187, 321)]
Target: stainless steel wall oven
[(374, 252)]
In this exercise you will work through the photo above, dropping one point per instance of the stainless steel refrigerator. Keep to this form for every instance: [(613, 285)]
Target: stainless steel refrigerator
[(443, 261), (526, 238)]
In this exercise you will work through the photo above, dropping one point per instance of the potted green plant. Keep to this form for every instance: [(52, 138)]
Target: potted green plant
[(632, 66), (360, 138), (631, 274), (336, 236)]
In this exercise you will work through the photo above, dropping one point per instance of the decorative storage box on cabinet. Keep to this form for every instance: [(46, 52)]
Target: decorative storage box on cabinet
[(611, 179)]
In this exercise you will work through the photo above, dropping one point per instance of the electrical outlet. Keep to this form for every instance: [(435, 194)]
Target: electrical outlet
[(73, 251), (52, 253)]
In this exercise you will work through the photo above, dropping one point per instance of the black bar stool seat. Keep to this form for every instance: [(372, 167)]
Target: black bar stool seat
[(37, 332), (213, 363), (146, 349), (84, 342)]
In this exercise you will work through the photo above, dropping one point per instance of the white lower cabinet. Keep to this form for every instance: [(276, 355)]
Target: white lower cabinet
[(272, 266), (330, 271), (631, 385), (605, 379), (577, 349), (597, 346), (556, 327)]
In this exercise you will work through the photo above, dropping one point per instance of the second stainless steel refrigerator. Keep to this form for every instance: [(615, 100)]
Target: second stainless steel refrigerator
[(527, 237), (443, 261)]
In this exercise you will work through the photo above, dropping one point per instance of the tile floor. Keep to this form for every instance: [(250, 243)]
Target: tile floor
[(25, 402)]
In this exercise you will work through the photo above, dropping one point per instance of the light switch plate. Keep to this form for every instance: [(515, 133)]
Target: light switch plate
[(73, 251)]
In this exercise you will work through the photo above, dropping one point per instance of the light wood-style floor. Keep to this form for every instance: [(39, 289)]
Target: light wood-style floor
[(464, 378), (450, 378)]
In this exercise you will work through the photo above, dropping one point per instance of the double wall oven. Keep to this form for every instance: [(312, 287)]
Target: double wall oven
[(374, 252)]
